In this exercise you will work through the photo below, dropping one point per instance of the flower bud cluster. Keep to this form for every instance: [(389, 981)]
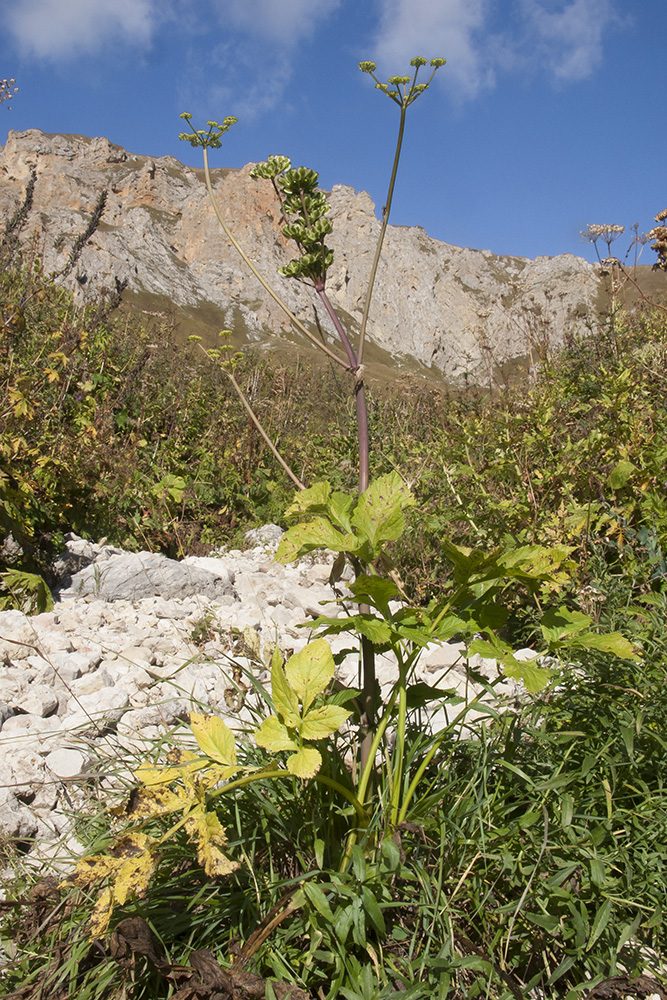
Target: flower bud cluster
[(403, 90), (206, 139), (305, 208)]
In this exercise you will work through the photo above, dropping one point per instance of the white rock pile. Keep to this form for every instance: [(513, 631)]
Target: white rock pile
[(134, 643)]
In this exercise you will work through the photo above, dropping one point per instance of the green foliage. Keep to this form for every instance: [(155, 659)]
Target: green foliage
[(516, 849), (306, 675), (27, 591)]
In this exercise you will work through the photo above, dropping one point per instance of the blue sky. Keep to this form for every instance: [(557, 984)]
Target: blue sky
[(549, 114)]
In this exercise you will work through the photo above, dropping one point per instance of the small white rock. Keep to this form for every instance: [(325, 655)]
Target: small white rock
[(66, 763)]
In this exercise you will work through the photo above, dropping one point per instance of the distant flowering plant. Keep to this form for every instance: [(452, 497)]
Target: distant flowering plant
[(607, 233), (7, 91), (659, 235)]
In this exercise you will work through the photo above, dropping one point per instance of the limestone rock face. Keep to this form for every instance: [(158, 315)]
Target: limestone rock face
[(459, 310)]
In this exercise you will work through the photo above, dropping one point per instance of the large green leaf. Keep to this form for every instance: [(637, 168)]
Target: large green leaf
[(285, 700), (612, 642), (557, 623), (377, 590), (340, 509), (310, 670), (378, 631), (314, 500), (274, 736), (321, 722), (319, 533), (378, 516)]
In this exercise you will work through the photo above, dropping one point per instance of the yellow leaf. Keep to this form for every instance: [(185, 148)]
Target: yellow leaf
[(131, 844), (182, 763), (306, 763), (251, 641), (92, 869), (310, 670), (147, 803), (134, 877), (101, 915), (215, 739), (285, 700), (205, 828)]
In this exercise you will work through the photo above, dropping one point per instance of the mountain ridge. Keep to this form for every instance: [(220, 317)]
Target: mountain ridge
[(458, 310)]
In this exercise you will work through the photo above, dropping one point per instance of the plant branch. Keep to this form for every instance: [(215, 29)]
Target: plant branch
[(378, 249), (251, 413), (296, 323)]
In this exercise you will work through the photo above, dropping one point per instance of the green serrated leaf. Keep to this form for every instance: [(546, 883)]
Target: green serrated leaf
[(377, 589), (374, 629), (378, 516), (313, 500), (557, 623), (309, 671), (321, 722), (319, 533), (533, 677), (612, 642), (285, 700), (340, 509), (274, 736)]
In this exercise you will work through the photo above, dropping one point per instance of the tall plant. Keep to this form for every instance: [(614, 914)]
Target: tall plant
[(304, 222)]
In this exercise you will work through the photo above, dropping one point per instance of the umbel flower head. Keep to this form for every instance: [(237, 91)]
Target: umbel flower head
[(206, 139), (403, 90)]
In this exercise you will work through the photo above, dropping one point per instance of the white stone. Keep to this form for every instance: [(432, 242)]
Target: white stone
[(90, 683), (38, 699), (18, 726), (17, 636), (66, 763)]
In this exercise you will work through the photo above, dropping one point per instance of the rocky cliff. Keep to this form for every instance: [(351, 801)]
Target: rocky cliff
[(459, 310)]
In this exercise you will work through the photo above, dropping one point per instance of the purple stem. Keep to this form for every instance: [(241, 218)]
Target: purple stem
[(367, 650), (359, 390)]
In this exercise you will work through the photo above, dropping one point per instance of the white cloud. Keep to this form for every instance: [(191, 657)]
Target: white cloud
[(571, 38), (452, 29), (240, 77), (65, 28), (284, 22), (565, 36)]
